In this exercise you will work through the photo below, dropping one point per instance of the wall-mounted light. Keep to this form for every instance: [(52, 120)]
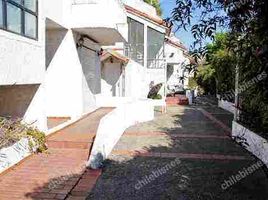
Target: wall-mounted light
[(171, 55), (80, 42), (100, 52)]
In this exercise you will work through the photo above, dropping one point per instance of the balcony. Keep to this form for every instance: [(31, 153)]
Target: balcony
[(105, 21)]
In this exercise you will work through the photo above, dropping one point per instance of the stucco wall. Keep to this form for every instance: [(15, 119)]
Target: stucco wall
[(64, 76), (87, 14), (175, 58), (73, 75), (24, 101), (136, 85), (110, 79), (91, 78), (22, 60)]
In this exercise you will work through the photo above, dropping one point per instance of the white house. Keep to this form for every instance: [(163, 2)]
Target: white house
[(49, 56), (177, 60), (22, 61), (73, 45), (146, 64)]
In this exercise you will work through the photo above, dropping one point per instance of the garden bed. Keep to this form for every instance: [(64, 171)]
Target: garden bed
[(254, 143), (17, 141)]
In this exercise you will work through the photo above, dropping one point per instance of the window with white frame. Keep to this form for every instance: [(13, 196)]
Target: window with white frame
[(155, 48), (20, 16), (135, 46)]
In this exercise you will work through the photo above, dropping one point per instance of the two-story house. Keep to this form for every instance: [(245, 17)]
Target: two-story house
[(144, 52), (50, 55)]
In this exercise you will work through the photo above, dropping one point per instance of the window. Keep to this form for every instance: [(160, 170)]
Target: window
[(1, 14), (135, 47), (19, 16), (155, 44)]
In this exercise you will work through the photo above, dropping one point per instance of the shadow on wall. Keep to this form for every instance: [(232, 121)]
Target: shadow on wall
[(110, 74), (16, 99), (91, 69), (170, 71), (54, 37)]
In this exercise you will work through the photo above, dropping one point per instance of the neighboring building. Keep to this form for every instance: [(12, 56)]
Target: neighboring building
[(177, 60), (145, 50)]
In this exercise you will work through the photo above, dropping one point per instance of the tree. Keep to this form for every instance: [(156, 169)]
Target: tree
[(246, 21)]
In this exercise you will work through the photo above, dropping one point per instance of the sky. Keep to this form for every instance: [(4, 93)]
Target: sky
[(185, 36), (167, 7)]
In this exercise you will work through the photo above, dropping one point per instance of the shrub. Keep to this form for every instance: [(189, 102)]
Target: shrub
[(12, 130), (158, 96)]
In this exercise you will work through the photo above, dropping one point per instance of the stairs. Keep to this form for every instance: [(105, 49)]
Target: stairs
[(79, 135), (177, 100)]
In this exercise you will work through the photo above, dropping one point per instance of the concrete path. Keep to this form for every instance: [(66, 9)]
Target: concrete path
[(185, 154), (60, 172)]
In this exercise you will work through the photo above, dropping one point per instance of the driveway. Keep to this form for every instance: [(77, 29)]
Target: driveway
[(185, 154)]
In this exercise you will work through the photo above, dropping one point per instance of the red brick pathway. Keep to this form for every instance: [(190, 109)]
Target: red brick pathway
[(59, 173)]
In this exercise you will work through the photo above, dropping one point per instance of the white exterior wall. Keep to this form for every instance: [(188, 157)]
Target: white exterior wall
[(123, 116), (138, 77), (22, 59), (111, 78), (178, 61), (73, 77), (142, 6), (226, 105), (257, 145), (136, 86), (22, 64), (64, 77)]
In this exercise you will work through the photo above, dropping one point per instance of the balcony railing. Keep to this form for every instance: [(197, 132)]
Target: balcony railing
[(136, 53)]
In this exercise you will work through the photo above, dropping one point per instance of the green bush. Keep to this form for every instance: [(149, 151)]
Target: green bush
[(192, 83), (158, 96)]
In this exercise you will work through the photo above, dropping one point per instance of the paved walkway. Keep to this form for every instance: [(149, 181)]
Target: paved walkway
[(186, 154), (60, 172)]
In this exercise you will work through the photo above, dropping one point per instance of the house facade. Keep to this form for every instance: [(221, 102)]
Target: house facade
[(144, 50), (50, 63), (53, 64), (177, 61), (22, 61), (74, 40)]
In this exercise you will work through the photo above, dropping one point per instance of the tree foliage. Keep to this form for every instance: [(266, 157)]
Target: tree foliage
[(246, 22), (223, 62)]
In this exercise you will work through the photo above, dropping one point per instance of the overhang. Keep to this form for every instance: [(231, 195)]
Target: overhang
[(111, 53), (102, 35)]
